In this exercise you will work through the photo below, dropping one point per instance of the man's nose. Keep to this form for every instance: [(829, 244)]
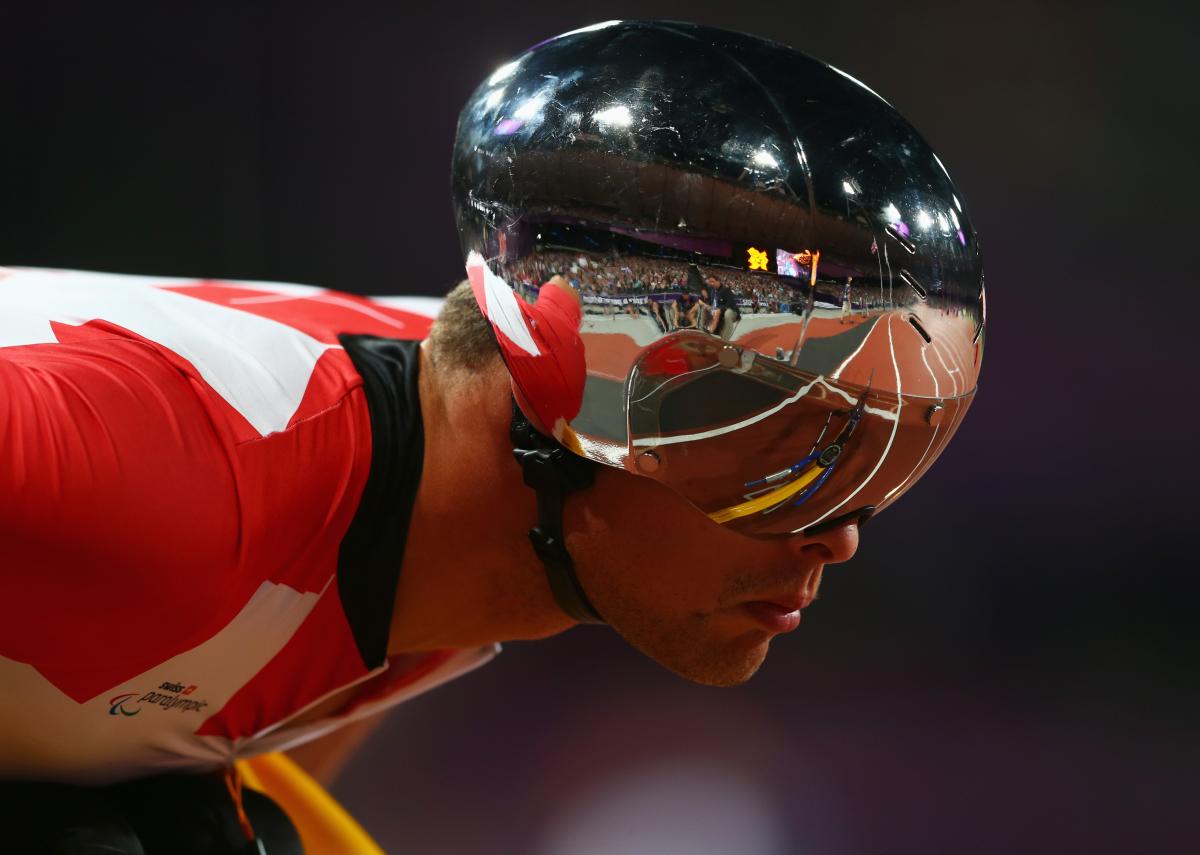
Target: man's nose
[(831, 545)]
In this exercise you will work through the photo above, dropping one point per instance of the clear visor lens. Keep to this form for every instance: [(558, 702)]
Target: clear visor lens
[(770, 450)]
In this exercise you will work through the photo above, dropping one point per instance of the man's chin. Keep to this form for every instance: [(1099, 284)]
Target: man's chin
[(722, 668), (703, 651)]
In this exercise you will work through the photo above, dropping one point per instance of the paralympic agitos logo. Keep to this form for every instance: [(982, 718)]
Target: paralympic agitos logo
[(168, 696)]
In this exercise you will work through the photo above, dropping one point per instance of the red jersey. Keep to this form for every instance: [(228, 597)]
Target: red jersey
[(201, 526)]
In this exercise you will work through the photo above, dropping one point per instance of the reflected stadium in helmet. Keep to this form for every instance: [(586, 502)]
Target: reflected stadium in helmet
[(640, 160)]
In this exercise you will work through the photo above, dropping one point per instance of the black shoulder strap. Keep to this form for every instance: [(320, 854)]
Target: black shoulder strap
[(372, 549)]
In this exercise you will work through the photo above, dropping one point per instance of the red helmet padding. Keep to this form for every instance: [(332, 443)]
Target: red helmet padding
[(551, 381)]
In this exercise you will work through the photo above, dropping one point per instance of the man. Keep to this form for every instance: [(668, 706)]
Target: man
[(464, 599), (725, 313), (242, 516)]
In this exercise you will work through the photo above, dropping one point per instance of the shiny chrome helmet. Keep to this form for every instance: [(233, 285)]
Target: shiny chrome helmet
[(782, 306)]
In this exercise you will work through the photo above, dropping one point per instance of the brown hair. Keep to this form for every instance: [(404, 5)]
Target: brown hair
[(461, 338)]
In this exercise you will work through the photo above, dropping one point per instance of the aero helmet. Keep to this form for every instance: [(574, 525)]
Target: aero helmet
[(782, 303)]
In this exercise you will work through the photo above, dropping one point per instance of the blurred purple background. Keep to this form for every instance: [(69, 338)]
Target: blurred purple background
[(1009, 665)]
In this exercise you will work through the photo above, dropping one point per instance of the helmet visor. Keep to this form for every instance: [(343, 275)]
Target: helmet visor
[(767, 449), (775, 396)]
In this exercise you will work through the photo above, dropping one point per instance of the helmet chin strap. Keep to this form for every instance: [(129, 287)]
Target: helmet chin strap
[(553, 473)]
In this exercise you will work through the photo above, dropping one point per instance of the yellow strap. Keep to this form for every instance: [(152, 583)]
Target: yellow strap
[(324, 825), (766, 500)]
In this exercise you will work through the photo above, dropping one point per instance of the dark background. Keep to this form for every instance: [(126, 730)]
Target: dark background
[(1010, 663)]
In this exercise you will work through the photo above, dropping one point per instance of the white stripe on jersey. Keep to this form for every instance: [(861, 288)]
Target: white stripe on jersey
[(260, 366)]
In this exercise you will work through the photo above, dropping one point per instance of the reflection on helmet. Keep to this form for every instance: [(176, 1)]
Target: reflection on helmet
[(782, 292)]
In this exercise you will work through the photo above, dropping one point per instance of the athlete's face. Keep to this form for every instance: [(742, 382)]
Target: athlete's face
[(694, 596)]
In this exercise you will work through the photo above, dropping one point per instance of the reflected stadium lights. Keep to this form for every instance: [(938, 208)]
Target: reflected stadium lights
[(942, 165), (860, 83), (530, 108), (590, 28), (849, 188), (504, 72), (924, 220), (493, 99), (618, 115), (763, 157), (957, 203), (954, 218), (943, 223), (892, 213)]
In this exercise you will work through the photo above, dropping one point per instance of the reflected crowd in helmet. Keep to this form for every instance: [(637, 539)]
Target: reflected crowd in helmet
[(673, 290)]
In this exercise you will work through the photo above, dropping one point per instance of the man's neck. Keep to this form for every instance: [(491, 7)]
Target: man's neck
[(470, 576)]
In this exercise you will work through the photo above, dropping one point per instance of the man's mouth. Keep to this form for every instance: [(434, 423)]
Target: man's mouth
[(778, 613), (773, 616)]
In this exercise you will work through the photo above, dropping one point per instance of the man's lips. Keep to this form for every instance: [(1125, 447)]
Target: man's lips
[(778, 610), (776, 616)]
